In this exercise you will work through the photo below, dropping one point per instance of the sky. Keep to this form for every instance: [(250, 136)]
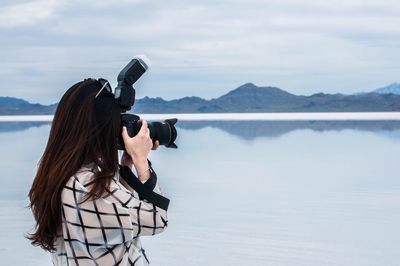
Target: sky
[(199, 48)]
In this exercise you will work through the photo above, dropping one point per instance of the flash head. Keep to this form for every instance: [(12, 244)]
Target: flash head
[(125, 92)]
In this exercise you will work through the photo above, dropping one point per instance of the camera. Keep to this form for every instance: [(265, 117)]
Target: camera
[(165, 132)]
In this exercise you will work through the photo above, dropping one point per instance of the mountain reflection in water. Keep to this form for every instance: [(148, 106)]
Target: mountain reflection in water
[(249, 130)]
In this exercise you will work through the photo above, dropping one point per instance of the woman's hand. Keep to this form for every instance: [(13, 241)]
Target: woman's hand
[(138, 147), (156, 145), (127, 160)]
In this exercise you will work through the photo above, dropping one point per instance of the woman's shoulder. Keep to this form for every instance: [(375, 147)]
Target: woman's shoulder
[(82, 181), (83, 177), (79, 185)]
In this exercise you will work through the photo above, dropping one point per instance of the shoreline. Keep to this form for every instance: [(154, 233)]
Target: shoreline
[(327, 116)]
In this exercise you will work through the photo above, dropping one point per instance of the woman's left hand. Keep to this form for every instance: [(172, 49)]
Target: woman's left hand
[(156, 144), (127, 160)]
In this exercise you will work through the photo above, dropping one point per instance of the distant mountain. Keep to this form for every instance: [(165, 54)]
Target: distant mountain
[(11, 101), (16, 106), (250, 98), (246, 98), (392, 88), (159, 105)]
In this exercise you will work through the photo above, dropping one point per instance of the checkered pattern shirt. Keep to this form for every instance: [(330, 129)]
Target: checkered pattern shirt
[(104, 231)]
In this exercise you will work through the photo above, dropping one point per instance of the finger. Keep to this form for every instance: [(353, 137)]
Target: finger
[(156, 145), (124, 133), (147, 133), (144, 126)]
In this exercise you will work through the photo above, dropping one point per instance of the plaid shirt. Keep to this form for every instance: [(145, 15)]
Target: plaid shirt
[(104, 231)]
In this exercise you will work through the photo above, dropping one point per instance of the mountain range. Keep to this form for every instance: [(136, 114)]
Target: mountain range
[(392, 88), (246, 98)]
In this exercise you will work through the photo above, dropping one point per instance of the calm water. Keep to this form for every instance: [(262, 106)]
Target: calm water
[(247, 193)]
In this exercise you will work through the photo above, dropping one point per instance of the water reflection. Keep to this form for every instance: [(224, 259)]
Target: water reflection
[(20, 126), (303, 198), (249, 130)]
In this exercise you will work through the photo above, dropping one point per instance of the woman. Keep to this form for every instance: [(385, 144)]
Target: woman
[(85, 214)]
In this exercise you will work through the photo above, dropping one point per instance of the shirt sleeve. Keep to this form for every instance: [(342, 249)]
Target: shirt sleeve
[(145, 217), (117, 217)]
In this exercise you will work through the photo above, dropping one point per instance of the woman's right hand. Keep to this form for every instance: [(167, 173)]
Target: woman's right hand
[(139, 146)]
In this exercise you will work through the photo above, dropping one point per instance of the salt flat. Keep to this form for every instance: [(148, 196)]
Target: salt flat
[(310, 197), (240, 116)]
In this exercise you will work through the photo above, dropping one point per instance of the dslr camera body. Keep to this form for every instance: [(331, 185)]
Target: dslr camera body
[(165, 132)]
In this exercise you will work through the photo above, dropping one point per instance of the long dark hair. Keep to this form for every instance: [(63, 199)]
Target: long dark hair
[(85, 129)]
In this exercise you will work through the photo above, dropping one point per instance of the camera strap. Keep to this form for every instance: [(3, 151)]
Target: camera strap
[(145, 190)]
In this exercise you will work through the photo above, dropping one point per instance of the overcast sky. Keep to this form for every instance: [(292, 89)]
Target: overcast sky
[(199, 48)]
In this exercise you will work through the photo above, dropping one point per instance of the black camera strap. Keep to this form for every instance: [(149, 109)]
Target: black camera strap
[(145, 190)]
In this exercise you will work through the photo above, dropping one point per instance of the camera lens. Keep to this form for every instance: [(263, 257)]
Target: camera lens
[(165, 132)]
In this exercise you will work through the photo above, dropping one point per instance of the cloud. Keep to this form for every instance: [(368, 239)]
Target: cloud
[(26, 13), (201, 48)]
